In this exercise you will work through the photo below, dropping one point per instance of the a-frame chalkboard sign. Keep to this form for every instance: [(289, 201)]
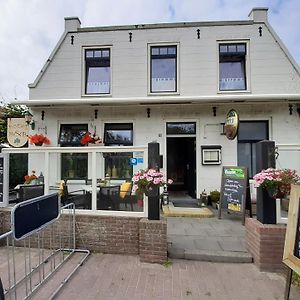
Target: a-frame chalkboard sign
[(235, 192)]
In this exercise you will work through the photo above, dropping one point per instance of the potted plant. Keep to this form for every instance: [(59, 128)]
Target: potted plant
[(147, 182), (272, 183), (277, 182), (214, 197), (38, 139), (30, 179)]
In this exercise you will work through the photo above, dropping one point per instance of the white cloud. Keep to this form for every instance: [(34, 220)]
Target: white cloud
[(29, 30)]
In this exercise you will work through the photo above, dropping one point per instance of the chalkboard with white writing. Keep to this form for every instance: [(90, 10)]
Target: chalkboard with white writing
[(235, 195)]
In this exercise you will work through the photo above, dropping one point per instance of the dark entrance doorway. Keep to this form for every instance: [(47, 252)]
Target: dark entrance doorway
[(181, 164)]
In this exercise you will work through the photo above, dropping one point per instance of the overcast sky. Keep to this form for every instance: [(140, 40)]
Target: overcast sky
[(30, 29)]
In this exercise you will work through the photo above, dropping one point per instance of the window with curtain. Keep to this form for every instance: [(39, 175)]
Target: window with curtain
[(232, 69), (163, 69), (97, 68)]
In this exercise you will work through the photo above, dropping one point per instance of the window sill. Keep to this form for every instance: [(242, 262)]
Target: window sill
[(234, 92), (163, 94), (96, 95)]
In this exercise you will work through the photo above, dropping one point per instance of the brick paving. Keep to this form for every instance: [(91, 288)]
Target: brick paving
[(114, 277)]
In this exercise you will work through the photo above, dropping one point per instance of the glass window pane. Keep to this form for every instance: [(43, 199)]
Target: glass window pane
[(232, 48), (223, 48), (74, 165), (71, 134), (98, 80), (163, 75), (232, 76), (155, 51), (117, 165), (172, 50), (105, 53), (253, 131), (163, 50), (97, 53), (181, 128), (244, 156), (241, 48), (89, 53), (118, 134)]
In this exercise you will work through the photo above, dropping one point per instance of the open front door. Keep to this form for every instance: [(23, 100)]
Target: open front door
[(181, 164)]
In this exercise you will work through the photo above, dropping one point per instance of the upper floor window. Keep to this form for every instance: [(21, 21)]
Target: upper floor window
[(232, 68), (97, 71), (118, 134), (163, 69)]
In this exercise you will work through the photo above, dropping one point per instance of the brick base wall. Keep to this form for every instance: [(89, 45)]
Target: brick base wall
[(153, 237), (108, 234), (266, 243)]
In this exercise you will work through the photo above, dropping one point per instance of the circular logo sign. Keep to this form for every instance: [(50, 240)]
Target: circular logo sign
[(231, 124)]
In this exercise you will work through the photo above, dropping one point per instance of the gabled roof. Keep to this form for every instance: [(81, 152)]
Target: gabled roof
[(259, 15)]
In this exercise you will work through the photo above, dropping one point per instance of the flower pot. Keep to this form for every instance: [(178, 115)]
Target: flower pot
[(265, 207), (39, 144)]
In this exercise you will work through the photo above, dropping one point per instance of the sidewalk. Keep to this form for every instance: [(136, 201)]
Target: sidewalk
[(116, 277)]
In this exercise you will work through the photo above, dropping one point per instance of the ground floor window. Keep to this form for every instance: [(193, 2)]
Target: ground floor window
[(74, 165), (250, 132), (117, 165)]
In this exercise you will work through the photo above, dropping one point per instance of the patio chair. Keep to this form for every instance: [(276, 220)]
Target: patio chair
[(29, 191), (80, 198), (108, 198), (126, 196)]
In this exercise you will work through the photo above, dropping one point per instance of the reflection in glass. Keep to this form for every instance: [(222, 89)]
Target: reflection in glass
[(181, 128)]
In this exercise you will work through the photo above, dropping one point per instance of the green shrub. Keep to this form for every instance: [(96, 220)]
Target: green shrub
[(215, 196)]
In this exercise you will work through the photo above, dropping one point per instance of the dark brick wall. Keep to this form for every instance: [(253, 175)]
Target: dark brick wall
[(266, 243)]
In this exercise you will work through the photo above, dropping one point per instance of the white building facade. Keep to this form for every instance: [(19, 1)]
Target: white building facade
[(174, 84)]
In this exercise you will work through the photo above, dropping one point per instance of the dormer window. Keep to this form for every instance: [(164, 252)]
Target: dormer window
[(232, 67), (163, 69), (97, 71)]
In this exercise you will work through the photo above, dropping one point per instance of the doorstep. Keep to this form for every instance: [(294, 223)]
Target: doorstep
[(171, 211)]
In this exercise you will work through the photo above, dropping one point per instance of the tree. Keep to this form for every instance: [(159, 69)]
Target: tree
[(10, 111)]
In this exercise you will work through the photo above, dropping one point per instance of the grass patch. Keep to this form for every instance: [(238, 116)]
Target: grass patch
[(167, 264)]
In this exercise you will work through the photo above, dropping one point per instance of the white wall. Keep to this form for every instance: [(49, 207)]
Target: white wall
[(268, 69), (283, 129)]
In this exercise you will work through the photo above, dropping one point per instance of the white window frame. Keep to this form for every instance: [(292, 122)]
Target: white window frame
[(83, 70), (177, 68), (247, 65)]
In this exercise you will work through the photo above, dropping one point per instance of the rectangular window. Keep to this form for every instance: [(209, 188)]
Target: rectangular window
[(250, 132), (163, 69), (118, 134), (71, 134), (181, 128), (73, 165), (232, 69), (97, 68)]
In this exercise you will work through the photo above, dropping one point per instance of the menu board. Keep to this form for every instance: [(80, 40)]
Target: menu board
[(3, 180), (234, 190)]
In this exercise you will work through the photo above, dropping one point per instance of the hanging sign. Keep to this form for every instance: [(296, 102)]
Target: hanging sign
[(17, 132), (231, 124)]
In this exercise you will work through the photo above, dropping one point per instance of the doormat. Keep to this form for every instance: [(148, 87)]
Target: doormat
[(189, 212)]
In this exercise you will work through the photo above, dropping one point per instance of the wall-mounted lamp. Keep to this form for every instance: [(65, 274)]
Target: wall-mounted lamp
[(29, 119), (214, 109), (148, 112), (43, 115), (96, 113), (290, 109)]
